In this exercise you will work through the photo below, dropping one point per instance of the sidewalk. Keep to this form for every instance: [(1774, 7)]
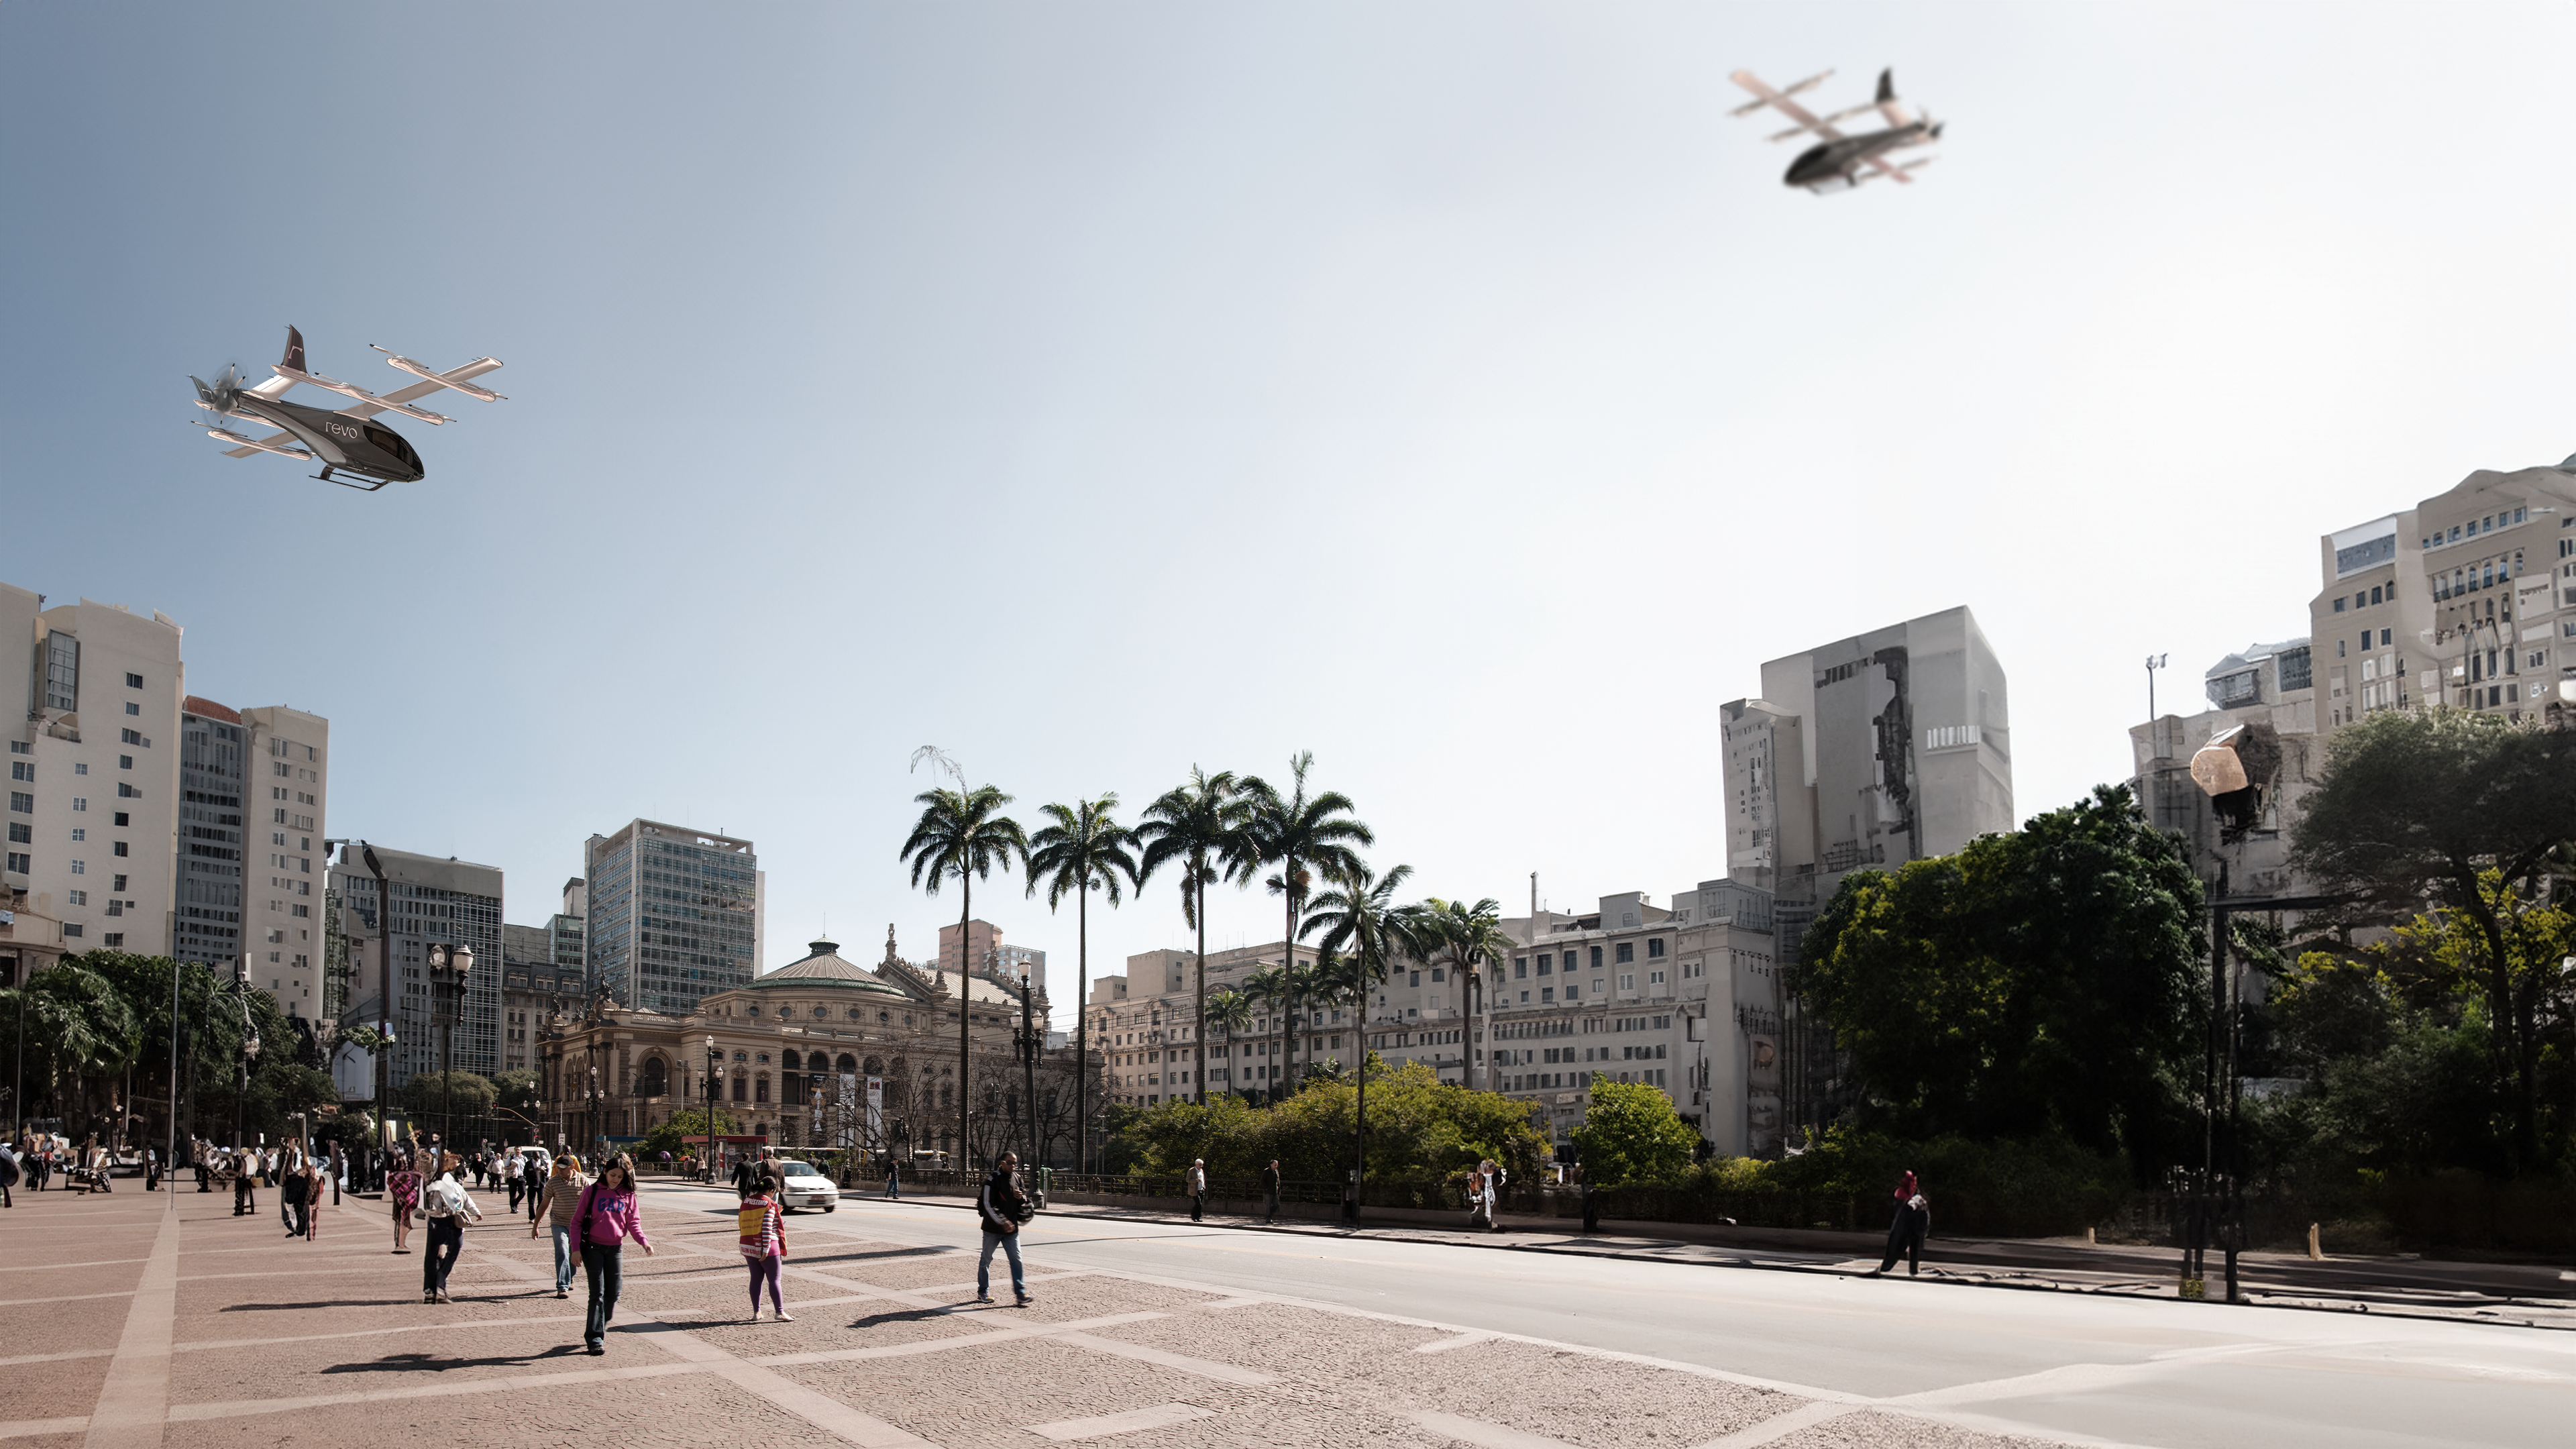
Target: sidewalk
[(2538, 1296)]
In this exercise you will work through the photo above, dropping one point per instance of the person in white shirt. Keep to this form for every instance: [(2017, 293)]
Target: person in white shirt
[(448, 1206)]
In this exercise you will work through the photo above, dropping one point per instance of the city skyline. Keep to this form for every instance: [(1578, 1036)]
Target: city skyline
[(1297, 345)]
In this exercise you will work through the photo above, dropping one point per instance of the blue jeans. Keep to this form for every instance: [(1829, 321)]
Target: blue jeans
[(1009, 1243), (565, 1258)]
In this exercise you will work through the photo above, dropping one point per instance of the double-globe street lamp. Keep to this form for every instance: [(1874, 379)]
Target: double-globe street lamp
[(449, 968), (707, 1149), (241, 1087)]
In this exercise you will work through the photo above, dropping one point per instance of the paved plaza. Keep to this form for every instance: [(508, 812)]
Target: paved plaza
[(125, 1323)]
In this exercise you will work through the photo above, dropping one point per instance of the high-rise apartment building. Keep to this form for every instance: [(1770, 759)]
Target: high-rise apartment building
[(430, 901), (673, 914), (284, 860), (987, 956), (94, 766)]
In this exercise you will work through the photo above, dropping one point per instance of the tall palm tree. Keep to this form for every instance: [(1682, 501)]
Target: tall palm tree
[(1268, 990), (1199, 824), (963, 836), (1230, 1010), (1303, 836), (1471, 940), (1083, 850), (1365, 933)]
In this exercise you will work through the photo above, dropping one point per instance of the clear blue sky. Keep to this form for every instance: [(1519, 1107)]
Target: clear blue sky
[(1450, 389)]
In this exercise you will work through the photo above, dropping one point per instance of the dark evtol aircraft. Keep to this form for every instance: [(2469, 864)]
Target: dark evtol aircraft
[(1838, 162), (343, 441)]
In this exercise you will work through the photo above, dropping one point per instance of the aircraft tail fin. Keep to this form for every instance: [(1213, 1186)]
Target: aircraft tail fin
[(1886, 86), (295, 349)]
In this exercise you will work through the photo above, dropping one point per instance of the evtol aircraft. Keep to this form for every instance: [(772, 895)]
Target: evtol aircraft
[(344, 441), (1838, 162)]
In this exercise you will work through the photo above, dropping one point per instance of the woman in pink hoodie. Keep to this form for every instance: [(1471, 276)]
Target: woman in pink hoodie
[(602, 1223)]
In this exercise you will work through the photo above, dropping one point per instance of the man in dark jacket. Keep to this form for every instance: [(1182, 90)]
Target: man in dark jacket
[(1003, 1207), (1270, 1191)]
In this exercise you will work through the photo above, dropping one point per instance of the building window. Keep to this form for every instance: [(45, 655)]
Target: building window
[(1655, 948), (113, 940), (118, 848), (1596, 958), (134, 681), (80, 867), (71, 928), (78, 898), (1520, 968), (20, 864), (132, 708), (2339, 603)]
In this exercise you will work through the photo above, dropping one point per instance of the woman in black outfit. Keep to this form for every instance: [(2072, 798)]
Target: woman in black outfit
[(1912, 1225)]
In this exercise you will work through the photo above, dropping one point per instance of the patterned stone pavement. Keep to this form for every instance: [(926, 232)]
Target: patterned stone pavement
[(138, 1319)]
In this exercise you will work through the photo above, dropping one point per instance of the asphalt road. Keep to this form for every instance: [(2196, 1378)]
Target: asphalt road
[(2067, 1367)]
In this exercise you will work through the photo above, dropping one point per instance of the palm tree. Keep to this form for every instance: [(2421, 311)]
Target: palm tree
[(962, 836), (1365, 934), (1269, 990), (1084, 850), (1303, 837), (1231, 1010), (1469, 938), (1198, 823)]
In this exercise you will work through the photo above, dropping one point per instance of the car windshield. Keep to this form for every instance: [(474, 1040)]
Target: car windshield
[(799, 1169)]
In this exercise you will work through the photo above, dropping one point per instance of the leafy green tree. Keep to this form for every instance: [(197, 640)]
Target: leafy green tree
[(963, 836), (459, 1092), (687, 1122), (1198, 825), (1630, 1133), (1365, 932), (1230, 1011), (1422, 1130), (1082, 849), (2428, 803), (2045, 979), (1304, 836)]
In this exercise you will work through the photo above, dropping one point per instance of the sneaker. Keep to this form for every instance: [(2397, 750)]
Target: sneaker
[(983, 1297), (781, 1317), (1024, 1301), (445, 1297), (563, 1293), (428, 1297), (595, 1350)]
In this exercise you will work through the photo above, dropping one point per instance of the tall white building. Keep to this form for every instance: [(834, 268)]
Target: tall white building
[(93, 800), (285, 862)]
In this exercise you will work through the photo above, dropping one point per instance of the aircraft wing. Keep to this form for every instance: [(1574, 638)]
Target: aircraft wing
[(1893, 172), (1779, 101), (285, 443)]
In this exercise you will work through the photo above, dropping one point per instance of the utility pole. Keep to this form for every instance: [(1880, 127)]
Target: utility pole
[(2154, 663)]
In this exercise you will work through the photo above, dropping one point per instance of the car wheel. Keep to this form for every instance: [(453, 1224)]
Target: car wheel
[(827, 1207)]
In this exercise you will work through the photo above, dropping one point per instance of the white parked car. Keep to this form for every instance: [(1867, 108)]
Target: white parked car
[(807, 1187)]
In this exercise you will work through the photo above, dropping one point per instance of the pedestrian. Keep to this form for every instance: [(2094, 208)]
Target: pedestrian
[(603, 1220), (763, 1230), (562, 1196), (290, 1200), (200, 1150), (447, 1205), (538, 1186), (1912, 1225), (894, 1185), (245, 1170), (1003, 1207), (314, 1177), (402, 1195), (513, 1177), (1477, 1212), (339, 1172), (151, 1169), (743, 1172), (1270, 1192), (1198, 1188), (8, 1172)]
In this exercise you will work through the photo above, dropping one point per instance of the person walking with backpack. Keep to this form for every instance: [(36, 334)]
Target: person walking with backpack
[(763, 1229), (602, 1222), (1912, 1225), (448, 1205), (1003, 1207), (561, 1196)]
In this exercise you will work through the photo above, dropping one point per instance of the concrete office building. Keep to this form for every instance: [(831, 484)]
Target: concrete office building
[(434, 900), (2269, 689), (2372, 615), (2499, 560), (1143, 1026), (988, 956), (287, 785), (672, 914), (1892, 746), (213, 753), (94, 756)]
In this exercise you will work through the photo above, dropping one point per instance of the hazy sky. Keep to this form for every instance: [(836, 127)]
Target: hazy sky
[(1095, 390)]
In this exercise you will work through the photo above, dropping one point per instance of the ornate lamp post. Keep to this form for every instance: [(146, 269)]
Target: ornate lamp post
[(241, 1087), (449, 968), (1028, 1040), (707, 1157)]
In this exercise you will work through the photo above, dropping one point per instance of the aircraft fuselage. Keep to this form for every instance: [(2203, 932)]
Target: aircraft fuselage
[(1829, 164)]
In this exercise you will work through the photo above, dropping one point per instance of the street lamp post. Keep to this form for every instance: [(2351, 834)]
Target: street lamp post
[(449, 968), (1027, 1040), (707, 1154), (241, 1086)]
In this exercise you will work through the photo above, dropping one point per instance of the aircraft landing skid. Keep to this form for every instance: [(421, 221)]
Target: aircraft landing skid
[(325, 477)]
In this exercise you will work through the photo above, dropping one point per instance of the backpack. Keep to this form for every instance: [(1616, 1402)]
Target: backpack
[(442, 1199)]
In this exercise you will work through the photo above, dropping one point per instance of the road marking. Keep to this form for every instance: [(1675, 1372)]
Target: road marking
[(56, 1357), (250, 1408), (1780, 1426), (50, 1267), (66, 1298), (32, 1428), (134, 1399), (1161, 1416), (1476, 1431), (927, 1345), (1206, 1368)]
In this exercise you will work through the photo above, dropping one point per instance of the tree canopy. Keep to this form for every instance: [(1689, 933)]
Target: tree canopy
[(2040, 980), (1631, 1133)]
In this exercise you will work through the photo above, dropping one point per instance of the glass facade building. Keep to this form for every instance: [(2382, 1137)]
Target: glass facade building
[(674, 915), (212, 758)]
